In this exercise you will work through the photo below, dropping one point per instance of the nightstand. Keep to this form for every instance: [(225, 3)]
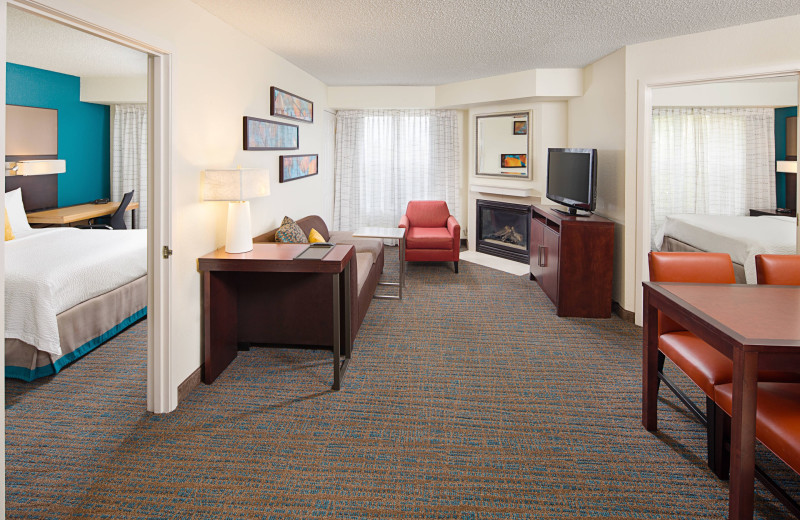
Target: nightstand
[(760, 212)]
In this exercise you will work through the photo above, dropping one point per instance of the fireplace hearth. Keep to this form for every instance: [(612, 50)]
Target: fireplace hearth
[(503, 229)]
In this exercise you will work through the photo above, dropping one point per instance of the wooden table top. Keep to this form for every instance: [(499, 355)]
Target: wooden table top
[(69, 214), (753, 314), (276, 258)]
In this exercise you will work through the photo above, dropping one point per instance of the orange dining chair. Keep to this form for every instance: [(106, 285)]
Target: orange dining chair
[(778, 269)]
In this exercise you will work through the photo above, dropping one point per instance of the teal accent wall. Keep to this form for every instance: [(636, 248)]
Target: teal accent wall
[(780, 149), (83, 130)]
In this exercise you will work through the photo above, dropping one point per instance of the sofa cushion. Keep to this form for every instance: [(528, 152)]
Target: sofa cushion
[(362, 244), (314, 236), (429, 238), (290, 233), (364, 263)]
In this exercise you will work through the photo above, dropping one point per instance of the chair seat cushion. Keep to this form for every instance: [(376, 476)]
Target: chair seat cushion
[(777, 418), (429, 238), (697, 359)]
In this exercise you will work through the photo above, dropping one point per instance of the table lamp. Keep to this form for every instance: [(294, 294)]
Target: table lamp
[(236, 187), (786, 166)]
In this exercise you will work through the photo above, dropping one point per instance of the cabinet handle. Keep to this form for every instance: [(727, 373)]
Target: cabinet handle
[(540, 257)]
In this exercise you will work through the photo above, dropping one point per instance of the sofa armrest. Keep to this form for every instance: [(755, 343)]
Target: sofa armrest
[(454, 228), (404, 223)]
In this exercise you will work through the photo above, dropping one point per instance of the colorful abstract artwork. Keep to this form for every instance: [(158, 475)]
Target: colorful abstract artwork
[(284, 104), (520, 128), (513, 160), (293, 167), (261, 134)]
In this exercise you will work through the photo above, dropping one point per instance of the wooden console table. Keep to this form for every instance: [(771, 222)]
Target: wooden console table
[(244, 294)]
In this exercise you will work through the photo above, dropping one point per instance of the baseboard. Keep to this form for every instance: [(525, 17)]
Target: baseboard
[(185, 388), (626, 315)]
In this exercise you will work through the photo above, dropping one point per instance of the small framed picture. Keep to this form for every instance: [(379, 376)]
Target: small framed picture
[(520, 128), (293, 167), (284, 104), (261, 134), (513, 160)]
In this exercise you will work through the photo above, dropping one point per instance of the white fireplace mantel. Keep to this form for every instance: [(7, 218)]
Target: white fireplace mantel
[(499, 190)]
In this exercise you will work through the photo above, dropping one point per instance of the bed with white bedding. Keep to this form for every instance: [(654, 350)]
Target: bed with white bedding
[(67, 291), (741, 237)]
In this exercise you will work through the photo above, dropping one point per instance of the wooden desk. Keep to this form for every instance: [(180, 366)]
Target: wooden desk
[(756, 326), (243, 284), (69, 214)]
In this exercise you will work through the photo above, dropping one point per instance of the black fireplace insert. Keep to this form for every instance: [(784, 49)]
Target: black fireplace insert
[(503, 229)]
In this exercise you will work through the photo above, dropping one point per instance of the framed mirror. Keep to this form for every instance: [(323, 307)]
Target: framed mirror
[(501, 145)]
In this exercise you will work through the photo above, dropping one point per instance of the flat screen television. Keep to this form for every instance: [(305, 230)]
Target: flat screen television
[(572, 178)]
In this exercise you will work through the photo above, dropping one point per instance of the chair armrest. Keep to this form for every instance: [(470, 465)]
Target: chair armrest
[(454, 228), (404, 223)]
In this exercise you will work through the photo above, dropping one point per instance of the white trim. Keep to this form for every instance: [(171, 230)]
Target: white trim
[(3, 22), (162, 394), (644, 135)]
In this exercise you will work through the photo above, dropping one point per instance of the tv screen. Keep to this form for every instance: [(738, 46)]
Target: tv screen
[(572, 177)]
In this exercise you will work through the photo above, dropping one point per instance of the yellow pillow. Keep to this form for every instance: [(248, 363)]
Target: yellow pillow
[(314, 236), (9, 231)]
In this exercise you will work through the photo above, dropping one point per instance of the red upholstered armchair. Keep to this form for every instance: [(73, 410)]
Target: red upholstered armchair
[(433, 234)]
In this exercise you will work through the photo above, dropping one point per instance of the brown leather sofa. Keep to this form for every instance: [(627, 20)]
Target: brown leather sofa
[(365, 270)]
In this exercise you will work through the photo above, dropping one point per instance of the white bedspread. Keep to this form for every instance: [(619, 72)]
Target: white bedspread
[(741, 237), (51, 270)]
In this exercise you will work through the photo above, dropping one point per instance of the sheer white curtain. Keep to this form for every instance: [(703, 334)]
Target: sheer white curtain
[(384, 158), (713, 161), (129, 159)]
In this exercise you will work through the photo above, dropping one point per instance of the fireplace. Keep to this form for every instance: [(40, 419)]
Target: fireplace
[(503, 229)]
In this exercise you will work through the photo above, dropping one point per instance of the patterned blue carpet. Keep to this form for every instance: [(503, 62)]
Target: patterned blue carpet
[(468, 399)]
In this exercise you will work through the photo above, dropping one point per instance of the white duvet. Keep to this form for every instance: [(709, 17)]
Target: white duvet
[(51, 270), (741, 237)]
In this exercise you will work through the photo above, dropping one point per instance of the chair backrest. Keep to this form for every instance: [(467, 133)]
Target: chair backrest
[(688, 268), (427, 213), (778, 269), (118, 218)]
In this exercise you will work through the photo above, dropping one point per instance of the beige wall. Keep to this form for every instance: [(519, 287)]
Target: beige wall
[(219, 75), (775, 92), (114, 90), (764, 47), (597, 120)]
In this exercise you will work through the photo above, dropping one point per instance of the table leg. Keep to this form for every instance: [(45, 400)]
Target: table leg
[(133, 219), (337, 339), (220, 309), (401, 243), (743, 434), (650, 365)]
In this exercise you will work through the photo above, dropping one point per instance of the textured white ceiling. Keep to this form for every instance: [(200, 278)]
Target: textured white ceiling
[(37, 42), (431, 42)]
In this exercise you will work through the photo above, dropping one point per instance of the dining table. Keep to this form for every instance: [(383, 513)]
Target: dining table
[(756, 326)]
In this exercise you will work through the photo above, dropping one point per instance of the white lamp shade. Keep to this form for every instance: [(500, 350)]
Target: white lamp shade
[(41, 167), (786, 166), (238, 184)]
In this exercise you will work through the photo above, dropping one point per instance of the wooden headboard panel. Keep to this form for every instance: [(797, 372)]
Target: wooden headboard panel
[(38, 191)]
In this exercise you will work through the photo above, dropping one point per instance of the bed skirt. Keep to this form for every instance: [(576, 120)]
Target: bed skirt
[(673, 244), (81, 329)]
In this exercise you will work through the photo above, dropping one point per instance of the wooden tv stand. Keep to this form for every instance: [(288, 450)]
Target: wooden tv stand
[(572, 260)]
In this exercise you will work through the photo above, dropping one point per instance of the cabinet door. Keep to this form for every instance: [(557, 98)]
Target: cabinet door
[(548, 279), (537, 230)]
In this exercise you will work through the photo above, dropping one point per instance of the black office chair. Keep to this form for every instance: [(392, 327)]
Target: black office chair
[(116, 220)]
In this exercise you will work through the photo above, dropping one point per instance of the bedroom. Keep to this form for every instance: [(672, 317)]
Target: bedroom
[(205, 102), (723, 154), (76, 106)]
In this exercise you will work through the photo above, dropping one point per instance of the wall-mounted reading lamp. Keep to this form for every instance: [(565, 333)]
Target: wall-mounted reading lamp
[(40, 167)]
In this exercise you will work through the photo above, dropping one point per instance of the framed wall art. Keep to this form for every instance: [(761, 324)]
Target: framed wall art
[(513, 160), (520, 128), (284, 104), (293, 167), (261, 134)]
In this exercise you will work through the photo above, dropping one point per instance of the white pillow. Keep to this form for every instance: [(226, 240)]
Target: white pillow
[(16, 212)]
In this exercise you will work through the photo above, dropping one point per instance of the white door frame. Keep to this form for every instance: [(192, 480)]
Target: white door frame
[(161, 391), (644, 137)]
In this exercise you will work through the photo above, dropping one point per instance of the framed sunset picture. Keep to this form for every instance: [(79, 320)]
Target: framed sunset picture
[(293, 167), (284, 104), (513, 160)]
